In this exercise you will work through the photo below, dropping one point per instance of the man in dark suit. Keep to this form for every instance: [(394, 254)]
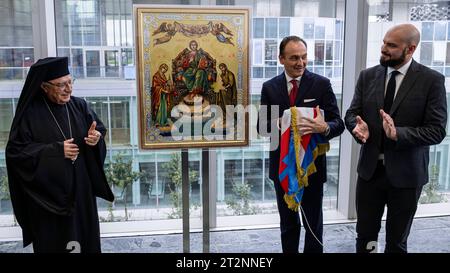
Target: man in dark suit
[(398, 110), (299, 87)]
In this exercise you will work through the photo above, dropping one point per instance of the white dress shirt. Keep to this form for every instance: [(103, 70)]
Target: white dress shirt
[(399, 79), (289, 84)]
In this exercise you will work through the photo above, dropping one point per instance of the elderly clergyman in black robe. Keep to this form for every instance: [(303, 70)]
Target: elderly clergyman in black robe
[(54, 159)]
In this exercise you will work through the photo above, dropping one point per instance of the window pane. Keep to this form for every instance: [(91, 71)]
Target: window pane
[(284, 27), (253, 177), (127, 57), (258, 72), (270, 72), (426, 53), (233, 177), (320, 32), (120, 120), (280, 69), (308, 30), (151, 186), (89, 24), (112, 63), (448, 31), (338, 30), (440, 31), (338, 52), (271, 28), (269, 187), (258, 28), (329, 55), (77, 63), (14, 62), (100, 107), (439, 50), (15, 24), (271, 52), (328, 72), (337, 72), (448, 55), (319, 70), (257, 52), (93, 63), (427, 31), (319, 53), (76, 28), (6, 116)]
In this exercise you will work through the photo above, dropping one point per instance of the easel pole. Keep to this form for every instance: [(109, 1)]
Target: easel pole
[(185, 198)]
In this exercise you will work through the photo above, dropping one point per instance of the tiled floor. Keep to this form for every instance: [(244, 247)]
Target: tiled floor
[(428, 235)]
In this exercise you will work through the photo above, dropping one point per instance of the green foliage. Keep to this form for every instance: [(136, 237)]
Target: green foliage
[(174, 171), (4, 187), (240, 201), (120, 175), (430, 192), (4, 190)]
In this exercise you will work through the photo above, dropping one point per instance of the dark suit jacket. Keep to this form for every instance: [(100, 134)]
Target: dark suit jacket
[(312, 87), (420, 116)]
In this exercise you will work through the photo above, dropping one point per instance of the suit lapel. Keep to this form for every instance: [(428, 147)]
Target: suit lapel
[(282, 86), (380, 86), (407, 83), (304, 87)]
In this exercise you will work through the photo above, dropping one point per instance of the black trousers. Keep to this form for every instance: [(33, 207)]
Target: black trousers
[(371, 198), (290, 220)]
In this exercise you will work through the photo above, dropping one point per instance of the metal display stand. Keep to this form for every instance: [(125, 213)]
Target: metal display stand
[(205, 200), (185, 198)]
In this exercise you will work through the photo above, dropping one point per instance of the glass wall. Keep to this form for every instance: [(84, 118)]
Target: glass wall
[(6, 116), (431, 19), (16, 44), (97, 37), (16, 56)]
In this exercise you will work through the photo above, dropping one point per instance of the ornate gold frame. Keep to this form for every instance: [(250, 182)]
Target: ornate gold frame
[(164, 35)]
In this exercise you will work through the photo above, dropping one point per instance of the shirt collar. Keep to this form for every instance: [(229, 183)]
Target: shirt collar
[(289, 78), (402, 69)]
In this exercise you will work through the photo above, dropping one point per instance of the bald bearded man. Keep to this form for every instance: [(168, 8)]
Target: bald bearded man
[(398, 111)]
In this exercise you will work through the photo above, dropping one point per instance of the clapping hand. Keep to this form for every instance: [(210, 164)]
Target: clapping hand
[(361, 131), (389, 126)]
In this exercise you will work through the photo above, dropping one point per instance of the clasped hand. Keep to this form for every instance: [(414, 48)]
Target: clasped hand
[(71, 150), (315, 125)]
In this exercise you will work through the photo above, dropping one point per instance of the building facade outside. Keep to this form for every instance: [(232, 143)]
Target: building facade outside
[(97, 36)]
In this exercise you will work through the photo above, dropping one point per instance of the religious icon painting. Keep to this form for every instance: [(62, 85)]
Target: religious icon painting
[(192, 76)]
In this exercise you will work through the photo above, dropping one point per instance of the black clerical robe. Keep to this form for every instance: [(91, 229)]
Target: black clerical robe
[(54, 199)]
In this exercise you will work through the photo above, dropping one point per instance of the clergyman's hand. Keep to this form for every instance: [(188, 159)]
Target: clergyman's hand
[(361, 130), (71, 150), (93, 135)]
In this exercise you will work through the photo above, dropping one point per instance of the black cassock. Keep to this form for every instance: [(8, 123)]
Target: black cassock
[(54, 199)]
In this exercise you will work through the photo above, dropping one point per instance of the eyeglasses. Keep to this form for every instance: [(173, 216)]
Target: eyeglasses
[(62, 85)]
